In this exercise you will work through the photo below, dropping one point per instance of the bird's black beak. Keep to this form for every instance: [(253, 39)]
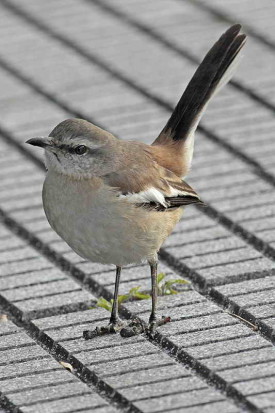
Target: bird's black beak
[(42, 142)]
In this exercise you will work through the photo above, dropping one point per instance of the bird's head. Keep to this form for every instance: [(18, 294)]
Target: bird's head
[(79, 149)]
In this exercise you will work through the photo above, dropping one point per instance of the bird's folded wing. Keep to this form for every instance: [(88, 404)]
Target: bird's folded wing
[(156, 188)]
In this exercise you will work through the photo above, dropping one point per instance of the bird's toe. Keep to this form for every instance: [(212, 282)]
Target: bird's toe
[(111, 328)]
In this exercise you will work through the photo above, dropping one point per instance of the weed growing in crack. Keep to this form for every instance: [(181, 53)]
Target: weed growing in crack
[(165, 287)]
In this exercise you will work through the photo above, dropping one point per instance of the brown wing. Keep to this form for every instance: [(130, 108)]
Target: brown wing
[(152, 187)]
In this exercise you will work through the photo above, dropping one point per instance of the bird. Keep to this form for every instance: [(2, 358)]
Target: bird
[(115, 201)]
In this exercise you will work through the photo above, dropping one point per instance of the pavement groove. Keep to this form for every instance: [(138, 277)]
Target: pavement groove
[(84, 373), (6, 406), (219, 14), (128, 19), (60, 354)]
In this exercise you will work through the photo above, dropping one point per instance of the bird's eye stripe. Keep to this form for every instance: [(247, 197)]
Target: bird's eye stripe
[(74, 149)]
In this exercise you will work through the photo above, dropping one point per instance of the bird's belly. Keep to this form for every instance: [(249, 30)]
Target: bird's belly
[(99, 226)]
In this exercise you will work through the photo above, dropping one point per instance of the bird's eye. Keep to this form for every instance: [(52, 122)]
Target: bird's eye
[(80, 149)]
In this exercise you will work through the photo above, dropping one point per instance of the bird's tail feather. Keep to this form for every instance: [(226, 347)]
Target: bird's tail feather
[(215, 71)]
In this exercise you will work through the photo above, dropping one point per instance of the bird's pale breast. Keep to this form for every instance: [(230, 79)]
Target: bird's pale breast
[(99, 226)]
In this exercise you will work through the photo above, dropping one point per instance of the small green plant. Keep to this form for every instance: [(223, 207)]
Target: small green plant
[(134, 293), (101, 302), (164, 288), (137, 294)]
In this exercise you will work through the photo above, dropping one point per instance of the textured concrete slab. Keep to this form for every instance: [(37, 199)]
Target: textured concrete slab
[(32, 380), (55, 64)]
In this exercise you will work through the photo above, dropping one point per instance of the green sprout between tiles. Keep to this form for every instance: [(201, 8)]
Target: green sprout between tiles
[(165, 287)]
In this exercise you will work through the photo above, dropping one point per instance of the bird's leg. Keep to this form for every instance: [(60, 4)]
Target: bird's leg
[(153, 322), (154, 294), (115, 323), (114, 319), (137, 326)]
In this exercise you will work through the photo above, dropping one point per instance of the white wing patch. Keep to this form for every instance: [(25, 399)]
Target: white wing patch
[(150, 195), (154, 195), (176, 192)]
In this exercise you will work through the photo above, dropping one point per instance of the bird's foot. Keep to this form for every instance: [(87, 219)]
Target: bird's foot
[(152, 326), (111, 328), (133, 328), (137, 326)]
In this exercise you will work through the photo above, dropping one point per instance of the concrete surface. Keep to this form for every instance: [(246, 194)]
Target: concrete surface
[(123, 65)]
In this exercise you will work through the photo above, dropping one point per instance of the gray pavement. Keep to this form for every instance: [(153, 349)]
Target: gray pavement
[(123, 65)]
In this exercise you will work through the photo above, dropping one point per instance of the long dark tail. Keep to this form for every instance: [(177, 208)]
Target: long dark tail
[(214, 71)]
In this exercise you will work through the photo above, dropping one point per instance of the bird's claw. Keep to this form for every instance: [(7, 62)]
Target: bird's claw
[(111, 328), (152, 326), (134, 328)]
